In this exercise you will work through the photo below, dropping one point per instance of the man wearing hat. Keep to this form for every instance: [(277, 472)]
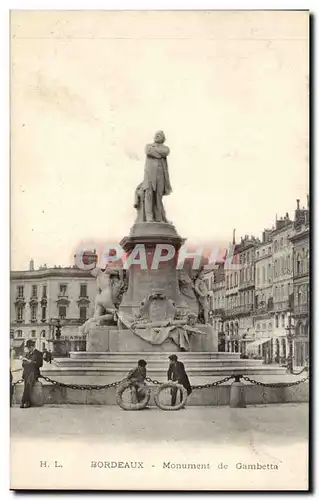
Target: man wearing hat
[(137, 376), (177, 373), (31, 364)]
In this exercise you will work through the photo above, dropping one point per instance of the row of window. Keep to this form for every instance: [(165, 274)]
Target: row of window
[(63, 290), (247, 257), (62, 312), (278, 245), (263, 252), (217, 303), (242, 299), (234, 327), (281, 243), (263, 326), (281, 267), (302, 262), (246, 275), (280, 293), (19, 333)]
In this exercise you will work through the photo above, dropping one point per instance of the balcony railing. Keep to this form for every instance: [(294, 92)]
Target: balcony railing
[(246, 284), (281, 306), (263, 309), (239, 310), (20, 299)]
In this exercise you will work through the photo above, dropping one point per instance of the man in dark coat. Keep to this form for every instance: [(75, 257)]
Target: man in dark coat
[(31, 364), (137, 376), (177, 373)]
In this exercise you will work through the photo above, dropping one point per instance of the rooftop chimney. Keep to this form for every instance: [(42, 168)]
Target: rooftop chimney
[(31, 265), (298, 204), (234, 236)]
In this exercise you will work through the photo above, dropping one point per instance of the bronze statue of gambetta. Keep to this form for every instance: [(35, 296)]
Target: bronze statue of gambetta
[(156, 182)]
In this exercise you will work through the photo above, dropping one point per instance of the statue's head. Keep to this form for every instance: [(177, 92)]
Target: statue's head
[(159, 137)]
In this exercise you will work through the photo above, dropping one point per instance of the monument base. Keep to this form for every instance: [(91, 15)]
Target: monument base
[(109, 339)]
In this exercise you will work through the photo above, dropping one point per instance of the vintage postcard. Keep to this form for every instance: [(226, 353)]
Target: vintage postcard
[(160, 255)]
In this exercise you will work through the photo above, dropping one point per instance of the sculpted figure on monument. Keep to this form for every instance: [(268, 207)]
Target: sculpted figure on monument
[(119, 284), (186, 287), (159, 321), (104, 308), (202, 295), (139, 203), (156, 183)]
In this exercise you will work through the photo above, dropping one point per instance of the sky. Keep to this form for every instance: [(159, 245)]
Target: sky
[(88, 91)]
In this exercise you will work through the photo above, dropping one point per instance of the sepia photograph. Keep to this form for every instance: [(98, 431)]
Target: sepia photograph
[(160, 250)]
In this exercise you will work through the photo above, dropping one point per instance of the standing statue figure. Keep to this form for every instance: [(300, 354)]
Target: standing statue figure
[(186, 288), (156, 183), (202, 295), (139, 203), (119, 284), (104, 308)]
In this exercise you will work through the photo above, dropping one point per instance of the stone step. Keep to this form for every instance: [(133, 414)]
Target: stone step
[(156, 363), (153, 355), (121, 372)]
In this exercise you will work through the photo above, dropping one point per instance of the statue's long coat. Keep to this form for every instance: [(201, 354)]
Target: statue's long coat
[(156, 169)]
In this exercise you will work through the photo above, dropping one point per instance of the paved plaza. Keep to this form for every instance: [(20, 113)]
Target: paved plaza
[(272, 423)]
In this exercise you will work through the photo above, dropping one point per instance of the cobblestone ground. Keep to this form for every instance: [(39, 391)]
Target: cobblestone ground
[(274, 424)]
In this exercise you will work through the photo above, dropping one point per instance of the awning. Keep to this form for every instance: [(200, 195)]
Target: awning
[(17, 343), (257, 343)]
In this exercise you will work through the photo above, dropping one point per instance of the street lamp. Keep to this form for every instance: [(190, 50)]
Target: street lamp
[(290, 337), (55, 329), (221, 336)]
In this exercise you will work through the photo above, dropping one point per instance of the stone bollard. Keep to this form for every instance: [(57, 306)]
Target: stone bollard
[(37, 398), (237, 394)]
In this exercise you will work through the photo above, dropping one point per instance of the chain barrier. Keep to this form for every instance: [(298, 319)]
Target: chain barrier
[(213, 384), (276, 385), (17, 382), (304, 369), (154, 382), (216, 383), (81, 386)]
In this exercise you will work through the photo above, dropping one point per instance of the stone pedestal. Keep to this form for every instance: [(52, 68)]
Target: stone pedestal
[(37, 397), (127, 341), (98, 339), (59, 348), (205, 343), (110, 339), (143, 282)]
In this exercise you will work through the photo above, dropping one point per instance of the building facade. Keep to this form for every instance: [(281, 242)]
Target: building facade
[(246, 290), (216, 286), (231, 312), (266, 294), (263, 320), (40, 297), (301, 292)]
